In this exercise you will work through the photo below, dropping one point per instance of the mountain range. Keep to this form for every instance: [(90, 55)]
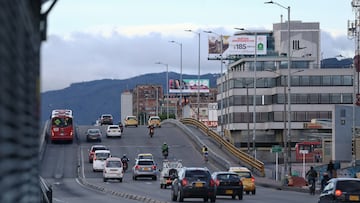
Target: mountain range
[(89, 100)]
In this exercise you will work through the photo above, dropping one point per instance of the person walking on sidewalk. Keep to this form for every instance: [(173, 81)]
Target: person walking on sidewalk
[(330, 169)]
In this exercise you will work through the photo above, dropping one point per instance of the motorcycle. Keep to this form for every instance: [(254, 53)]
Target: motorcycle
[(165, 154), (151, 131), (121, 127), (125, 165), (206, 156)]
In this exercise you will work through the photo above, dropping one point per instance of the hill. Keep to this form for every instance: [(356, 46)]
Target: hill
[(89, 100)]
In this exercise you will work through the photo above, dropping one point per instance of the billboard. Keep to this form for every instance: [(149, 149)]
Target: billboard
[(189, 86), (237, 45)]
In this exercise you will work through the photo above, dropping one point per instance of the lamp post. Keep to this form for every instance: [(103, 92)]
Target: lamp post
[(285, 139), (198, 83), (254, 97), (181, 80), (221, 80), (288, 83), (167, 88)]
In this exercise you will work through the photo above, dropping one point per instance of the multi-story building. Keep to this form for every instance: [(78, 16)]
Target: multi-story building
[(260, 94), (147, 101)]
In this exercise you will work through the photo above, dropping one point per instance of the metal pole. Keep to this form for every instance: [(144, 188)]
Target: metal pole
[(284, 131), (198, 86), (254, 99), (248, 116), (167, 91), (181, 81), (289, 93), (222, 88)]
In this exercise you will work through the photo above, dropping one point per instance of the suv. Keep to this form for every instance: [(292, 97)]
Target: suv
[(247, 179), (106, 119), (193, 182), (144, 168), (341, 190), (113, 169)]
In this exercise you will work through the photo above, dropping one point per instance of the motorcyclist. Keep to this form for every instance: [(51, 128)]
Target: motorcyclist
[(125, 161), (151, 129), (165, 149), (324, 180), (205, 152)]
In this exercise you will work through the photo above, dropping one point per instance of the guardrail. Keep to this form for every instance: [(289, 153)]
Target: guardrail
[(247, 159)]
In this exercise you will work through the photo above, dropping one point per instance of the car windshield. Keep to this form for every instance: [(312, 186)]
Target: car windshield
[(197, 174), (226, 177), (146, 163), (131, 118), (113, 164), (349, 186), (102, 155), (93, 131), (98, 148), (244, 174)]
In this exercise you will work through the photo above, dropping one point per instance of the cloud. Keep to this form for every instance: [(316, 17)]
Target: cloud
[(124, 52)]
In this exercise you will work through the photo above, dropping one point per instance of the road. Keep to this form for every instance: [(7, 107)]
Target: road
[(63, 163)]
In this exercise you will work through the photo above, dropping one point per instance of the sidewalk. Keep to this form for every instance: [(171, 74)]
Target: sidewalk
[(260, 181)]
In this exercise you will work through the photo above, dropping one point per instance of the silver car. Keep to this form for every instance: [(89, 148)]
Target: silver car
[(144, 168)]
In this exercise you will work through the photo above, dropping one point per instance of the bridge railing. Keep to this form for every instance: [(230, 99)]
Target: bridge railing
[(242, 156)]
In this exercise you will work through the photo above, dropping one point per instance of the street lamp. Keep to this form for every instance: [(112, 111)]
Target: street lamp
[(181, 80), (221, 80), (288, 80), (167, 87), (198, 83), (254, 98)]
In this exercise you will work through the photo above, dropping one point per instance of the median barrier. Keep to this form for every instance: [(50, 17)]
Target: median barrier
[(255, 164)]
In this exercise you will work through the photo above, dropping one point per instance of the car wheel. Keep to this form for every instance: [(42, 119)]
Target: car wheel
[(161, 186), (253, 192), (247, 192), (104, 179), (154, 177), (173, 196), (206, 199), (181, 196), (120, 179), (233, 196), (213, 199)]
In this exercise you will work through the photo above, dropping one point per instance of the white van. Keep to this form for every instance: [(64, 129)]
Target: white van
[(99, 159)]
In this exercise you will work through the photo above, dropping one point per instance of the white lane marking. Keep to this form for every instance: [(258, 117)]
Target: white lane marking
[(82, 162)]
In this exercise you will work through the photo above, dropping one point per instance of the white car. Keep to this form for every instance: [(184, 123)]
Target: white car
[(113, 169), (99, 159), (113, 131)]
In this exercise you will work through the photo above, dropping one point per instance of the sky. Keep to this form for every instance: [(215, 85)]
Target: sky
[(119, 39)]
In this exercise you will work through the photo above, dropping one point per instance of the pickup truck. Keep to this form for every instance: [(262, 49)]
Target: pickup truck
[(169, 172)]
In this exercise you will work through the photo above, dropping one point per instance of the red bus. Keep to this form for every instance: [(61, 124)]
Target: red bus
[(61, 126), (313, 149)]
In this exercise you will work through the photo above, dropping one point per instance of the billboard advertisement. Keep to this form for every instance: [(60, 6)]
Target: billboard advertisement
[(237, 45), (189, 86)]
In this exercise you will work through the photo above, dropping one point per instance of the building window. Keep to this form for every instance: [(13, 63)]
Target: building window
[(336, 80), (315, 80)]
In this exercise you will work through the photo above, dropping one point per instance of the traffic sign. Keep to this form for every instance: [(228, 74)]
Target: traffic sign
[(276, 148)]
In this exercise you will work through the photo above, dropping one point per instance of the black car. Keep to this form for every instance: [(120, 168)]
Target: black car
[(341, 190), (193, 182), (93, 134), (228, 184)]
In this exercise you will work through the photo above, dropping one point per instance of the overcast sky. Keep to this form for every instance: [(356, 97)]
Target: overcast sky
[(118, 39)]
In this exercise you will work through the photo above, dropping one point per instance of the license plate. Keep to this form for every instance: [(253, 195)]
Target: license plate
[(198, 184), (354, 198), (228, 192), (146, 169)]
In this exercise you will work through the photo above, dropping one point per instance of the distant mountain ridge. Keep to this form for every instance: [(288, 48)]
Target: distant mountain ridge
[(89, 100)]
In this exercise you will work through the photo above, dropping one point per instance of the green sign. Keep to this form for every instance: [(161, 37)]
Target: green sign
[(276, 148)]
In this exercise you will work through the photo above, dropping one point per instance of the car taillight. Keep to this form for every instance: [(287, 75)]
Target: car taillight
[(184, 182), (137, 167), (154, 167), (338, 193), (212, 183), (217, 182), (252, 179), (240, 182)]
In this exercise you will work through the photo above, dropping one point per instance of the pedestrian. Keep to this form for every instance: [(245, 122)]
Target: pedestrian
[(330, 169)]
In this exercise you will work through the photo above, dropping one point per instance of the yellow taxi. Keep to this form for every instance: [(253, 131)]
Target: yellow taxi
[(131, 121), (154, 121), (247, 179)]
